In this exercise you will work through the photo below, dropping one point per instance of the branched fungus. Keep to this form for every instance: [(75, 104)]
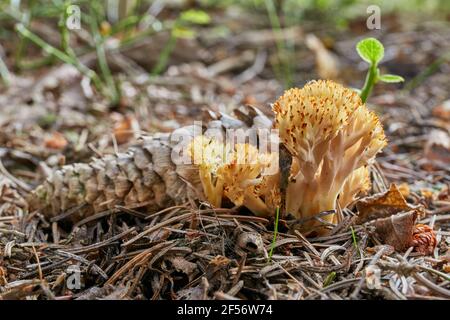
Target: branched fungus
[(331, 135), (235, 172), (357, 182), (209, 155), (332, 138)]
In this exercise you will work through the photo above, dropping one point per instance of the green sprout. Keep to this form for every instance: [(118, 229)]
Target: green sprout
[(372, 51), (355, 241), (329, 279), (275, 233)]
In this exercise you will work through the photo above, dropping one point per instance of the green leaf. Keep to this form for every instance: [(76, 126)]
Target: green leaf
[(355, 241), (370, 50), (195, 16), (390, 78)]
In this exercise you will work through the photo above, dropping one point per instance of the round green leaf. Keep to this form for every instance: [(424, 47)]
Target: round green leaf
[(370, 50)]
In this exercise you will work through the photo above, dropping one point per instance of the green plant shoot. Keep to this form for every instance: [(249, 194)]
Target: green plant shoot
[(275, 233), (355, 241), (372, 51), (329, 279)]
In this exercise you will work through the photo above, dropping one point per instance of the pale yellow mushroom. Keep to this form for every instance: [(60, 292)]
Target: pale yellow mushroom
[(331, 134)]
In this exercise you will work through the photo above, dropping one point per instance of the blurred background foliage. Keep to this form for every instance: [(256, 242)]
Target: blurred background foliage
[(118, 24)]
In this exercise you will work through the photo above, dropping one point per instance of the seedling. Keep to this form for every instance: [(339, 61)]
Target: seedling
[(372, 51), (329, 279), (275, 233), (355, 241)]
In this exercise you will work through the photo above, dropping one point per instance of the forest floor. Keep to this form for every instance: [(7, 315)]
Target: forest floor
[(50, 117)]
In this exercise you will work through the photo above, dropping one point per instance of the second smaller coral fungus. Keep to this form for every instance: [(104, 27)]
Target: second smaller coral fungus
[(235, 172)]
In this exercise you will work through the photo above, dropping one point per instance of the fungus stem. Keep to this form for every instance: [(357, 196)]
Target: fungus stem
[(255, 205)]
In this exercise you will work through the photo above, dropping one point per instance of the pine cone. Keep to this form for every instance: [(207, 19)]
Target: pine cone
[(144, 176)]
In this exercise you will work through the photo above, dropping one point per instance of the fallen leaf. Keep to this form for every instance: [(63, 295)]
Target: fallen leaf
[(437, 148), (397, 230), (424, 239), (55, 141), (382, 205), (401, 232)]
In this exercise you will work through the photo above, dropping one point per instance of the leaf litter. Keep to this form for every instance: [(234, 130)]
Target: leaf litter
[(400, 249)]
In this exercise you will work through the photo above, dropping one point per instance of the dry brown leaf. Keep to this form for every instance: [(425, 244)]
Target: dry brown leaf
[(382, 205), (401, 232), (437, 148), (397, 230), (56, 141)]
